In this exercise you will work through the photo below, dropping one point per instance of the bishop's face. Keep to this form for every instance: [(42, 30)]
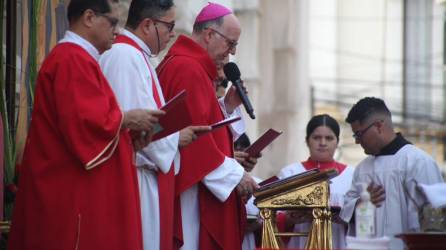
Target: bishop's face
[(322, 144), (223, 40)]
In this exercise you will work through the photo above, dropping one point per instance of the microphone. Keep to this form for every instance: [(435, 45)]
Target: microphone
[(233, 74)]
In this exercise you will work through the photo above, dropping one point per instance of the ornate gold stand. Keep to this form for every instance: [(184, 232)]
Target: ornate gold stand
[(309, 190)]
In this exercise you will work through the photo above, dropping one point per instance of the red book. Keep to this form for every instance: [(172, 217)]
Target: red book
[(221, 123), (262, 142), (176, 118)]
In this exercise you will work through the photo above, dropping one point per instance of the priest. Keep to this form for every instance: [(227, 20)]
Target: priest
[(211, 182), (392, 170), (127, 66), (77, 184)]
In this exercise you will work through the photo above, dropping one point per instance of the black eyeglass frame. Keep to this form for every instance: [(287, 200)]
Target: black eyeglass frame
[(232, 44), (358, 134), (112, 20), (170, 25)]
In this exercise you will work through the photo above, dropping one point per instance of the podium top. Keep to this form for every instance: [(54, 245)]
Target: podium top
[(299, 180)]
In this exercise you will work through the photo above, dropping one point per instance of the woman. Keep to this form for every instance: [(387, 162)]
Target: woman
[(322, 139)]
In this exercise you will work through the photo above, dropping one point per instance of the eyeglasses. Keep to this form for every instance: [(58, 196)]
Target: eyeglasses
[(358, 134), (231, 43), (112, 20), (169, 25)]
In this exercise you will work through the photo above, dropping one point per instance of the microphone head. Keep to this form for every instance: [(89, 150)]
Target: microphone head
[(231, 71)]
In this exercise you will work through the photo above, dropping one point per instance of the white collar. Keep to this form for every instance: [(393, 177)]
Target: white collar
[(138, 41), (71, 37)]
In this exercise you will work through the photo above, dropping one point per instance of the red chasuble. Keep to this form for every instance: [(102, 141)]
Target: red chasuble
[(188, 66), (77, 185)]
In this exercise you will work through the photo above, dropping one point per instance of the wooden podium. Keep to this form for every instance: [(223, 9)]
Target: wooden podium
[(309, 190)]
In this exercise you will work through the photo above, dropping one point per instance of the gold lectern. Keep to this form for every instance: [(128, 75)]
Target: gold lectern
[(309, 190)]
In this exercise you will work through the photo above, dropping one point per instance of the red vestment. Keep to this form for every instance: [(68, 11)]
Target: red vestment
[(77, 184), (188, 66)]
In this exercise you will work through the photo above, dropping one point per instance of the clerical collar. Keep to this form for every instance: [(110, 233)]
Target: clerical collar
[(394, 146), (71, 37), (311, 164)]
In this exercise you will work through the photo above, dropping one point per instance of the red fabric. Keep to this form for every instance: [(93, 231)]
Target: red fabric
[(189, 67), (310, 164), (166, 182), (60, 204), (281, 226)]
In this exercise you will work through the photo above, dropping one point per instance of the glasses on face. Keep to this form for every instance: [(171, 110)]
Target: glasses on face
[(112, 20), (231, 43), (169, 25), (358, 134)]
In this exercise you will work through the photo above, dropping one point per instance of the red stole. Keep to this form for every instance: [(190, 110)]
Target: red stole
[(310, 164), (166, 182)]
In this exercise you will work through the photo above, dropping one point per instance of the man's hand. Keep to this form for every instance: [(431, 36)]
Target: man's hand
[(139, 139), (246, 187), (141, 119), (245, 160), (141, 122), (377, 194), (190, 134), (232, 99)]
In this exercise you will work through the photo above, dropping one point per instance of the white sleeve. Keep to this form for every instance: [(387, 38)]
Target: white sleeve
[(238, 127), (162, 152), (222, 181), (350, 199), (422, 170)]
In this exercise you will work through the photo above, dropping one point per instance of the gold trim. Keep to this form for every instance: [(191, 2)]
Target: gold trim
[(115, 140)]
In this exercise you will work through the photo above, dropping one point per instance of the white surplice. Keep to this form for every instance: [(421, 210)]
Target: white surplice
[(339, 186), (398, 174), (128, 73)]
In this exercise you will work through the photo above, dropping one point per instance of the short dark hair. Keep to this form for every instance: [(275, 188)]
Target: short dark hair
[(199, 27), (365, 108), (76, 8), (322, 120), (141, 9)]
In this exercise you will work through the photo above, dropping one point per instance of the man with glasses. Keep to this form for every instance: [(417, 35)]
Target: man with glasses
[(78, 186), (211, 182), (392, 170), (133, 78)]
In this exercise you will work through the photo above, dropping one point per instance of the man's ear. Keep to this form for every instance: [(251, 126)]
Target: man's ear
[(146, 24), (207, 35), (380, 125), (88, 18)]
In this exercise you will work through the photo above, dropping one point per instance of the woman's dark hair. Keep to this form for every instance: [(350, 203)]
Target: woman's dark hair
[(322, 120)]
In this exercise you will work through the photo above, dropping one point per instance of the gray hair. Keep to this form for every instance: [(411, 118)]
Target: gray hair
[(200, 27)]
